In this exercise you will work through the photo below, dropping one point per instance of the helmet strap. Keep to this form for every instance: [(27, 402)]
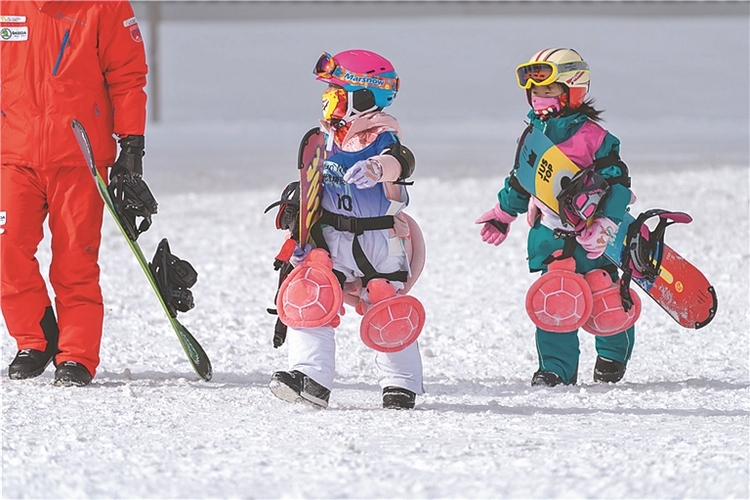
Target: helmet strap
[(358, 103), (340, 132)]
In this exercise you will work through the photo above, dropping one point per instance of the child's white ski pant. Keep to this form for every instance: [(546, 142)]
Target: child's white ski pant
[(312, 351)]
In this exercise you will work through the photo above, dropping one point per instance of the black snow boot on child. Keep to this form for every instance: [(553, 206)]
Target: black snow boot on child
[(398, 398), (551, 379), (295, 386), (548, 379), (607, 370)]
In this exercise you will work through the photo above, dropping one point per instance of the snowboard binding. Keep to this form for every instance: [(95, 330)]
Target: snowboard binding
[(288, 216), (581, 196), (645, 248), (174, 277), (132, 198)]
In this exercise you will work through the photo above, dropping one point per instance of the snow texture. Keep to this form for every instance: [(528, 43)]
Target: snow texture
[(677, 426)]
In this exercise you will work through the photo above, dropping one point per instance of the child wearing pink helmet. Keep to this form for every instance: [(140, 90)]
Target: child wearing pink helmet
[(363, 242)]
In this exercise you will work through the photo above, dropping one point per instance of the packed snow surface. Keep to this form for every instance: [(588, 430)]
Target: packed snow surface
[(676, 426)]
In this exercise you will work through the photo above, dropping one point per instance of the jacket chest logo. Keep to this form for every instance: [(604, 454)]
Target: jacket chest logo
[(12, 19), (14, 34)]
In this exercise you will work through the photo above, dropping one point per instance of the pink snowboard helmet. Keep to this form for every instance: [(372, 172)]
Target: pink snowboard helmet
[(369, 79)]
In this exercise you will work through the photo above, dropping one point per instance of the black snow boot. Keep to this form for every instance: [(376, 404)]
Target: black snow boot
[(70, 373), (548, 379), (295, 386), (607, 370), (29, 363), (398, 398)]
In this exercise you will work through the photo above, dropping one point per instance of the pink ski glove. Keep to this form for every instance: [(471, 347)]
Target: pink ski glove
[(364, 174), (595, 237), (496, 225)]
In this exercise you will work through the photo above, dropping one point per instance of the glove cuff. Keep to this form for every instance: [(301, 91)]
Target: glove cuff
[(502, 215), (133, 144)]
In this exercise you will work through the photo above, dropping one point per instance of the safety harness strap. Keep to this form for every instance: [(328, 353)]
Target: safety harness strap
[(357, 226), (613, 158), (569, 246)]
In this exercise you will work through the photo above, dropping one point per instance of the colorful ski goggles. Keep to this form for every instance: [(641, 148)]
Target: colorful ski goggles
[(328, 68), (335, 104), (545, 72)]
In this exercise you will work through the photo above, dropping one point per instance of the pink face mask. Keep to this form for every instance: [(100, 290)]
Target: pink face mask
[(546, 107)]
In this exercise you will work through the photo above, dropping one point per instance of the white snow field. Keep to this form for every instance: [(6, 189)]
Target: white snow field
[(677, 426)]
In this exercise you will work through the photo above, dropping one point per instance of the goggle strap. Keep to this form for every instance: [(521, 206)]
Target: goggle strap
[(561, 68), (376, 81), (572, 66), (328, 67)]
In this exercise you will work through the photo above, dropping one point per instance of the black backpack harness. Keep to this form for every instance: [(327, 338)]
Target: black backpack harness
[(357, 226)]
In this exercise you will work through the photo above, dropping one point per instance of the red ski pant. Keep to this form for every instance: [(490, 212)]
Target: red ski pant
[(69, 198)]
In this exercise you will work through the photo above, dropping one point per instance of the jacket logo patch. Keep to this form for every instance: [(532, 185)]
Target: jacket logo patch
[(19, 34), (130, 22), (3, 219), (135, 33), (12, 19)]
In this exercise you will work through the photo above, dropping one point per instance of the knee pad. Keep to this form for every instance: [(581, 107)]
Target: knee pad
[(560, 300), (393, 322), (311, 295), (608, 317)]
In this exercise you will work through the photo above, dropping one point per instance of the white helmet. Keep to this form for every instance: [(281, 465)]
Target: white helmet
[(565, 66)]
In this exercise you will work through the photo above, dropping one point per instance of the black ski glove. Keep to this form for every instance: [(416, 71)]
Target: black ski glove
[(130, 194), (131, 157)]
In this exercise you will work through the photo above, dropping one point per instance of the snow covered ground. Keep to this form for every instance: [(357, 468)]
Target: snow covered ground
[(677, 426)]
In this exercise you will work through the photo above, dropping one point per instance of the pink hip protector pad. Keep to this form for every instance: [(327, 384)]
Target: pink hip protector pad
[(560, 300), (311, 295), (393, 322), (608, 316)]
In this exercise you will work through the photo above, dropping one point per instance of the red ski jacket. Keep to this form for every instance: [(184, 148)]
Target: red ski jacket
[(65, 60)]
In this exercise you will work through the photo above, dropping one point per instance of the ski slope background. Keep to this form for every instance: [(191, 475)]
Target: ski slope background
[(676, 426)]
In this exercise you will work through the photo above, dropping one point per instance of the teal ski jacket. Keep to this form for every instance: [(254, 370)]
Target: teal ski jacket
[(542, 241)]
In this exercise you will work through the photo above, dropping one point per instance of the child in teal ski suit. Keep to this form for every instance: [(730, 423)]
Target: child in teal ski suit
[(556, 81)]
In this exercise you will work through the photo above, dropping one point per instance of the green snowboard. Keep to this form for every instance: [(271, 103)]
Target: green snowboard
[(195, 353)]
